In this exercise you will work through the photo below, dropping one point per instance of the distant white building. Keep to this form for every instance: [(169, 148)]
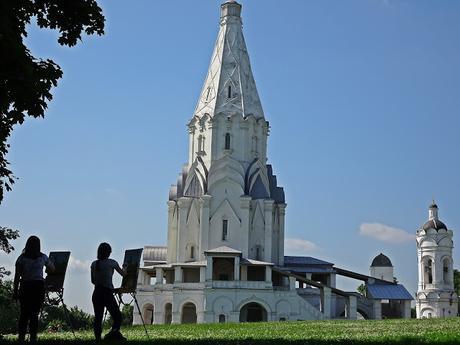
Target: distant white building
[(436, 296), (224, 259)]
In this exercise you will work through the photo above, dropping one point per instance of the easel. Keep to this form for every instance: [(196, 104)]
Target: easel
[(132, 263), (119, 293), (54, 282), (60, 295)]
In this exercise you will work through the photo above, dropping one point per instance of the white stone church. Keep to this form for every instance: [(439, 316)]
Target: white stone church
[(224, 260)]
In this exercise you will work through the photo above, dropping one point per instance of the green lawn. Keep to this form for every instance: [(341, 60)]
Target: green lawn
[(433, 331)]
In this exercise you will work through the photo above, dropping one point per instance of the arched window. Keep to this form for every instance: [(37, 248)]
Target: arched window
[(224, 229), (221, 318), (445, 270), (227, 141), (428, 271), (229, 94)]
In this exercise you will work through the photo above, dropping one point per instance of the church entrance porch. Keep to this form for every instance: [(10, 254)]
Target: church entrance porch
[(253, 312)]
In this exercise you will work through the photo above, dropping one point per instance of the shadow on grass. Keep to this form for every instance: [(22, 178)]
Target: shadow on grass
[(247, 341)]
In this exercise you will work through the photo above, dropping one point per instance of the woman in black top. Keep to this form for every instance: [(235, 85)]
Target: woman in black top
[(101, 276), (29, 286)]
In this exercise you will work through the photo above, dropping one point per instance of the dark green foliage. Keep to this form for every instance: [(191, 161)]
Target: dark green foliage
[(385, 332), (127, 315), (6, 235), (362, 289), (26, 81), (457, 281), (54, 319), (9, 309)]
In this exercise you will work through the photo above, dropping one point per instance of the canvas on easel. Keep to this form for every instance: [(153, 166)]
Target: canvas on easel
[(54, 281), (131, 262)]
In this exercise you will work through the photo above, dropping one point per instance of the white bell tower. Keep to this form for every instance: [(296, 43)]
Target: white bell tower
[(436, 296), (226, 194)]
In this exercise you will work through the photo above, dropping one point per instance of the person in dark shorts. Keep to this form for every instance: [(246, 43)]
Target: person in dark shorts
[(101, 276), (29, 286)]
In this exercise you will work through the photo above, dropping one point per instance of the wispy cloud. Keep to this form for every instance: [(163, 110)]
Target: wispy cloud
[(79, 266), (299, 246), (385, 233)]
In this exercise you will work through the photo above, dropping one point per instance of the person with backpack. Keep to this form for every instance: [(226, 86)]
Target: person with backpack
[(102, 271), (29, 287)]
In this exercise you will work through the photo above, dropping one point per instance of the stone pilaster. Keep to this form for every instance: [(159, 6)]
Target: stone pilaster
[(268, 215), (245, 202), (204, 225)]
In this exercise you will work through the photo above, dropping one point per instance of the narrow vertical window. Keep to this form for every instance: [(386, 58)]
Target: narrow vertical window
[(258, 253), (254, 144), (200, 139), (227, 141), (229, 95), (200, 143), (224, 229), (445, 271), (207, 93), (192, 252)]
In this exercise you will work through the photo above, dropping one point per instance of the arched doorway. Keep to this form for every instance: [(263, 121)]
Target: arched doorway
[(188, 313), (253, 312), (168, 313), (148, 314)]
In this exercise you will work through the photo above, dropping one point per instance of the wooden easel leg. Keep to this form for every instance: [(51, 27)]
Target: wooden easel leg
[(140, 313)]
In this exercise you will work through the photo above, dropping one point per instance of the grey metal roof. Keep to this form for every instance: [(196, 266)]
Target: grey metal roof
[(434, 224), (381, 260), (394, 292), (304, 260), (307, 269)]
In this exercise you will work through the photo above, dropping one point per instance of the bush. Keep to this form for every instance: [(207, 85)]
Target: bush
[(9, 311)]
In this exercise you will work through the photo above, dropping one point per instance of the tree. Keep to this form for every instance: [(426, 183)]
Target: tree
[(6, 235), (362, 290), (457, 282), (26, 81)]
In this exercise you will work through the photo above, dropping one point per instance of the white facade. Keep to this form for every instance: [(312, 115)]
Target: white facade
[(436, 296)]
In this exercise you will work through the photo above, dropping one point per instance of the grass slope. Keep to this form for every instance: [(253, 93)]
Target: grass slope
[(433, 331)]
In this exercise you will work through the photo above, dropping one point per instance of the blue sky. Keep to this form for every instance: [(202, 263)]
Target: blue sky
[(362, 97)]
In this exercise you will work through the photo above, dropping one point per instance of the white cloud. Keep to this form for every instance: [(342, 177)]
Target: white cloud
[(385, 233), (299, 246), (78, 266)]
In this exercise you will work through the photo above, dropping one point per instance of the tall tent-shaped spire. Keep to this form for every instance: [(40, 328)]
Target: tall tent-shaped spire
[(229, 87)]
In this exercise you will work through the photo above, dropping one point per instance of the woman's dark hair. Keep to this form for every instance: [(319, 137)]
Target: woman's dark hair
[(103, 251), (32, 248)]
